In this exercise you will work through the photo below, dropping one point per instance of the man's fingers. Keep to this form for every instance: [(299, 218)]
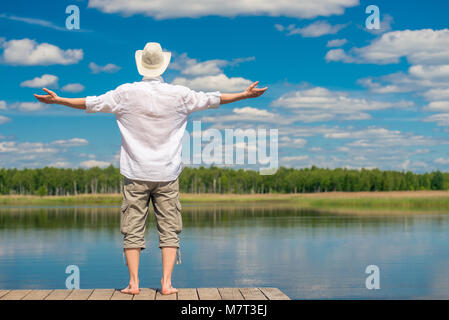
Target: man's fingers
[(261, 89), (42, 98), (251, 87), (49, 91)]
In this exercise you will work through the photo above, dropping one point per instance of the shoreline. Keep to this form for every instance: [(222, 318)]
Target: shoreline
[(405, 200)]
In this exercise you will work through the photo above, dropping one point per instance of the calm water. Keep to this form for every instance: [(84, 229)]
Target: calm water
[(304, 253)]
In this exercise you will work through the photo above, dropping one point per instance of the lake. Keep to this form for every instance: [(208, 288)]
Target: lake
[(307, 254)]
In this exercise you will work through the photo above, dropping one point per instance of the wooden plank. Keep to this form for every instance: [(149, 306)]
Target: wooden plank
[(160, 296), (15, 295), (37, 295), (59, 294), (80, 294), (230, 294), (187, 294), (121, 296), (208, 294), (145, 294), (252, 294), (274, 294), (101, 294), (3, 292)]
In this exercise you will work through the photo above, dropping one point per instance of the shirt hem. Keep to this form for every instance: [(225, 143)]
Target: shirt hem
[(152, 179)]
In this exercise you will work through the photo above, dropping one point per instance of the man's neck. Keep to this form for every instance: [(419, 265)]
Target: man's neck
[(158, 78)]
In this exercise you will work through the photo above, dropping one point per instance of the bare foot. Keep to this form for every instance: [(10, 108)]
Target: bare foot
[(166, 288), (169, 290), (130, 289)]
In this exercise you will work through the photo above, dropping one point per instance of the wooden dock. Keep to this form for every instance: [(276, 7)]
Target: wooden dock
[(147, 294)]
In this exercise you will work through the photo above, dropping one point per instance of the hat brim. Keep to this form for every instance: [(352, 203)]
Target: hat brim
[(146, 72)]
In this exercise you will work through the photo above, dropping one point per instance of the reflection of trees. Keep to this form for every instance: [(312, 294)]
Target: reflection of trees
[(200, 216)]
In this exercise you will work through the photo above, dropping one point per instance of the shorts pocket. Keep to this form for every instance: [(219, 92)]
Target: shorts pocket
[(179, 216), (124, 217)]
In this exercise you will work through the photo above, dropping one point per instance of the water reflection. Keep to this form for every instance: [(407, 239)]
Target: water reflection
[(306, 253)]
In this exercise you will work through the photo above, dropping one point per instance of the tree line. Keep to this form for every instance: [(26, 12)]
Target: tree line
[(61, 181)]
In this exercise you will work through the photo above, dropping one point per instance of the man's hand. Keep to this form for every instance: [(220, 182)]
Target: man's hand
[(253, 92), (51, 97), (48, 98), (250, 92)]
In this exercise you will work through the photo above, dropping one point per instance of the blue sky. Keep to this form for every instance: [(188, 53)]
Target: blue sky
[(339, 94)]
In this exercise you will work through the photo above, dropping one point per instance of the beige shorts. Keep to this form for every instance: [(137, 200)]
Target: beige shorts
[(167, 208)]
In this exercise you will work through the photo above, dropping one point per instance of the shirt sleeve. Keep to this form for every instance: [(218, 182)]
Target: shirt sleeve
[(199, 100), (108, 102)]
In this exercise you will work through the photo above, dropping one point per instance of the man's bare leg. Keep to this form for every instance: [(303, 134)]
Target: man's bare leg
[(132, 260), (168, 262)]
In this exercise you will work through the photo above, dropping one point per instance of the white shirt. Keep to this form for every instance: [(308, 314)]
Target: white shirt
[(152, 117)]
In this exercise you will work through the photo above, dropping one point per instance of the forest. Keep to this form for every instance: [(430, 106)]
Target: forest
[(62, 181)]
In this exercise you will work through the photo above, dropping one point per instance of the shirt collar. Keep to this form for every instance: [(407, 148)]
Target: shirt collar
[(153, 79)]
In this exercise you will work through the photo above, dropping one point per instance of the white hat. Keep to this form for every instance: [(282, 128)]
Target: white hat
[(151, 61)]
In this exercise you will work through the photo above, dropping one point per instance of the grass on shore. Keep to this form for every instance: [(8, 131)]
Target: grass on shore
[(401, 200)]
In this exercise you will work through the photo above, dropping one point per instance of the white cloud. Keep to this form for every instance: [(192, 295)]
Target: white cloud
[(164, 9), (95, 163), (426, 46), (210, 67), (108, 68), (386, 21), (442, 161), (316, 29), (279, 27), (432, 72), (25, 147), (33, 21), (74, 142), (294, 158), (23, 106), (437, 94), (336, 43), (287, 142), (376, 137), (193, 67), (46, 80), (261, 116), (4, 119), (29, 106), (73, 87), (321, 104), (27, 52), (218, 82), (442, 119), (60, 164), (252, 112), (438, 106), (37, 154), (368, 147), (430, 81), (338, 55)]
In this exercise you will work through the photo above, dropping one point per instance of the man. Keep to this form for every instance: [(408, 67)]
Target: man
[(152, 117)]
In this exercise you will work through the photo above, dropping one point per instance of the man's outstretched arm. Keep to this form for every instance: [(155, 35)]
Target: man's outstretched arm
[(250, 92), (51, 97)]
